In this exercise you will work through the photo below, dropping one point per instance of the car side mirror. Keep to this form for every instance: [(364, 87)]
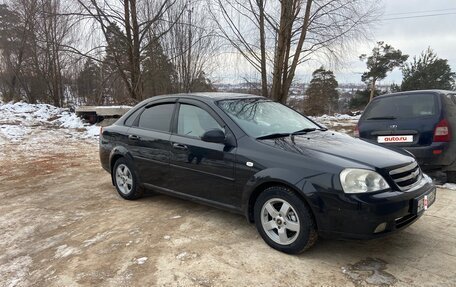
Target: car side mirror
[(214, 136)]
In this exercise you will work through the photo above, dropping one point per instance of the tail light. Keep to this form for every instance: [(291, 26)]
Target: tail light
[(356, 132), (442, 132), (101, 131)]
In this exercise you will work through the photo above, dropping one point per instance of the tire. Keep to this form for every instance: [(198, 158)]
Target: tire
[(451, 176), (292, 232), (125, 180)]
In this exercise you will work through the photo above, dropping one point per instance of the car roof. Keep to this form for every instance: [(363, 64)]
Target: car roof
[(442, 92), (208, 96)]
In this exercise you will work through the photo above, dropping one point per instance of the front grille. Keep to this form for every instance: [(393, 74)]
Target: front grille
[(407, 177)]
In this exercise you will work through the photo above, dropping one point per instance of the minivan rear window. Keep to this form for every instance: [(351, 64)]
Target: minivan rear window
[(401, 106)]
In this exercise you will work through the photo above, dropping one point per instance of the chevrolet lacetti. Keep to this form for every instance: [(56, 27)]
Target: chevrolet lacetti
[(290, 176)]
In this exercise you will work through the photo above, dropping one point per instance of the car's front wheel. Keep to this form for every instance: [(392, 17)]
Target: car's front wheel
[(125, 180), (284, 221)]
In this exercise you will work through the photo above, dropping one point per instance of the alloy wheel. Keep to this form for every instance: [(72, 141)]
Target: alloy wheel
[(280, 221), (124, 179)]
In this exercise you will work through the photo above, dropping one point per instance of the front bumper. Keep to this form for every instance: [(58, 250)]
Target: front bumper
[(359, 216)]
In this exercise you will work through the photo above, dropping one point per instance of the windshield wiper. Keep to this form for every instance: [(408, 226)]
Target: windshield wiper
[(273, 136), (303, 131), (382, 118), (280, 135)]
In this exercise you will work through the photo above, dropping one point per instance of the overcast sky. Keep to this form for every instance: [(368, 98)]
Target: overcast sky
[(411, 35), (412, 31)]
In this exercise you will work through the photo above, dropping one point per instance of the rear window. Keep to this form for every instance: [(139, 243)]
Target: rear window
[(401, 107)]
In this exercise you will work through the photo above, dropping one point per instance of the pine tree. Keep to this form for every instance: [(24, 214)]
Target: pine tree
[(159, 74), (202, 84), (115, 67), (428, 72), (89, 84), (384, 59), (322, 96)]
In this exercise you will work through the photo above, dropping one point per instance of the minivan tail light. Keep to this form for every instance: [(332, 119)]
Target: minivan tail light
[(101, 131), (356, 132), (442, 132)]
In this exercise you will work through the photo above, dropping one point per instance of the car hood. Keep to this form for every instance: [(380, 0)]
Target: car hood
[(321, 143)]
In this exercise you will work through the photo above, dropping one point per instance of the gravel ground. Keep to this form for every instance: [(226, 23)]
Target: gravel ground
[(63, 224)]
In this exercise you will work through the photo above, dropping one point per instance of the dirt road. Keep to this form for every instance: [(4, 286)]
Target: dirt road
[(62, 224)]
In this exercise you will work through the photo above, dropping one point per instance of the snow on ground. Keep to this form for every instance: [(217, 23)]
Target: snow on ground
[(338, 122), (337, 117), (18, 120), (451, 186)]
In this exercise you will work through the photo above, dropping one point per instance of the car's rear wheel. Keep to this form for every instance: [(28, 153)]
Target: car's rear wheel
[(284, 221), (451, 176), (126, 181)]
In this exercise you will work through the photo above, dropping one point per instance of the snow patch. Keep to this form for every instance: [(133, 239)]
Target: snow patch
[(450, 186), (69, 120), (17, 120), (14, 133), (336, 117), (65, 251), (97, 238), (141, 261), (15, 271), (181, 256)]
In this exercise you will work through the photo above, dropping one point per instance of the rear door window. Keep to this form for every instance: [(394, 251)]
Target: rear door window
[(131, 119), (157, 117), (402, 107)]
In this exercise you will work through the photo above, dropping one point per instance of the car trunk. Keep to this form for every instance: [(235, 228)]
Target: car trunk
[(401, 120)]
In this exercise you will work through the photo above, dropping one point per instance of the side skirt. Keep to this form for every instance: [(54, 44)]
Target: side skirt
[(192, 198)]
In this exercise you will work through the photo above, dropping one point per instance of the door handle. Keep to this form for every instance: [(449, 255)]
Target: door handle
[(133, 137), (180, 146)]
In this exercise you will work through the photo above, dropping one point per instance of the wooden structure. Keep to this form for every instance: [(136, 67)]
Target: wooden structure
[(96, 114)]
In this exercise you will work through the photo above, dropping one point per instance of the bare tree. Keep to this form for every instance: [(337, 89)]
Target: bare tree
[(34, 58), (279, 36), (135, 29), (191, 42)]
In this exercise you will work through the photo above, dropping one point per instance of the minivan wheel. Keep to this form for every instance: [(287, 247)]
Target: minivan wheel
[(284, 221), (451, 176), (125, 180)]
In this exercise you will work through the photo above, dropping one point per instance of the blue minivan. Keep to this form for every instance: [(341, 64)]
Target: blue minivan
[(422, 122)]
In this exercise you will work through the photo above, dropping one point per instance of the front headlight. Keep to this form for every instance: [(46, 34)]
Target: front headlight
[(361, 180)]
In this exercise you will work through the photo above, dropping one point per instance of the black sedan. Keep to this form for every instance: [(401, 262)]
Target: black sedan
[(290, 176)]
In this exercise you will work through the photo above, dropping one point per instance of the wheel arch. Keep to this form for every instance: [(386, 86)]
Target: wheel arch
[(117, 153), (265, 185)]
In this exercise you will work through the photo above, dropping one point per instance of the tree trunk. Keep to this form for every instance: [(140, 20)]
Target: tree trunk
[(264, 75), (137, 79), (287, 83), (130, 44), (283, 40), (372, 89)]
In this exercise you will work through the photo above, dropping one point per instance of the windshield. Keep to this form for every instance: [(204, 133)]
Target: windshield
[(259, 117)]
